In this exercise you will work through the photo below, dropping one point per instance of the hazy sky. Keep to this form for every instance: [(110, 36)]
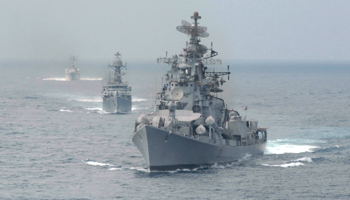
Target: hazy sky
[(145, 29)]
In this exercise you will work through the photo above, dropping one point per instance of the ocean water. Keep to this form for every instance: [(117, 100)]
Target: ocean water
[(57, 143)]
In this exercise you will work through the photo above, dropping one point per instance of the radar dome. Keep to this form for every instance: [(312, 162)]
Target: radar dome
[(117, 62), (200, 130), (142, 118), (210, 120)]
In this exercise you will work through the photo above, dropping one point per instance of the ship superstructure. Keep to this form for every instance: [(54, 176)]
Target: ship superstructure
[(191, 126), (72, 73), (116, 93)]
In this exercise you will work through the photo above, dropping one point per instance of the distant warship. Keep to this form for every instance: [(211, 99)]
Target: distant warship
[(116, 94), (191, 126), (72, 73)]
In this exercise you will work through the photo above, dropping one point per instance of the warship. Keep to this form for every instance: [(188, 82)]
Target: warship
[(72, 73), (191, 126), (116, 94)]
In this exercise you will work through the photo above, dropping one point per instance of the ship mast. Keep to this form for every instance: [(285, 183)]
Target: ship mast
[(117, 68), (191, 64), (73, 59)]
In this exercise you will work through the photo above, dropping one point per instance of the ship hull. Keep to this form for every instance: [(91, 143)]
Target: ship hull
[(117, 104), (164, 151), (72, 77)]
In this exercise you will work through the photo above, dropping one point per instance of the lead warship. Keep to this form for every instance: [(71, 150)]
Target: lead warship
[(191, 126), (116, 94), (73, 73)]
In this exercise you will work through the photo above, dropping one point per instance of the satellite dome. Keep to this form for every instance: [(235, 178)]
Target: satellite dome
[(200, 130), (117, 62)]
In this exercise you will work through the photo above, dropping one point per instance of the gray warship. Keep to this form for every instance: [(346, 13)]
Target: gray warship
[(191, 126), (116, 94), (72, 73)]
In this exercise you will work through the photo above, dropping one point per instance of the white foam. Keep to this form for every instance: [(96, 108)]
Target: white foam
[(113, 169), (294, 164), (91, 79), (138, 108), (54, 79), (63, 110), (98, 163), (217, 166), (304, 159), (94, 100), (181, 170), (102, 112), (245, 158), (287, 146), (138, 99), (94, 109), (140, 169)]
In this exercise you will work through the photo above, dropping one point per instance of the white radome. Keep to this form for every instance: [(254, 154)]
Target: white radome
[(142, 118), (200, 129), (210, 120)]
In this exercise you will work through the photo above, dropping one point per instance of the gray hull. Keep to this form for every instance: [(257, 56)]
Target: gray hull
[(117, 104), (72, 77), (164, 151)]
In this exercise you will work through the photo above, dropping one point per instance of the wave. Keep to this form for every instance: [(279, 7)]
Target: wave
[(288, 146), (138, 100), (98, 110), (329, 149), (141, 169), (94, 109), (293, 164), (115, 169), (304, 159), (139, 108), (102, 112), (64, 110), (112, 167), (54, 79), (94, 163), (94, 100), (91, 79)]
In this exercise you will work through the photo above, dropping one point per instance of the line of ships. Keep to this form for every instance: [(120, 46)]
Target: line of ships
[(190, 126)]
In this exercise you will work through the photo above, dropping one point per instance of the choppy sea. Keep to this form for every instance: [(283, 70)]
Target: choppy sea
[(57, 143)]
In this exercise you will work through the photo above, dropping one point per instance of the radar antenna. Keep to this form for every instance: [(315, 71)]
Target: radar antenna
[(228, 72), (73, 59), (193, 29)]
